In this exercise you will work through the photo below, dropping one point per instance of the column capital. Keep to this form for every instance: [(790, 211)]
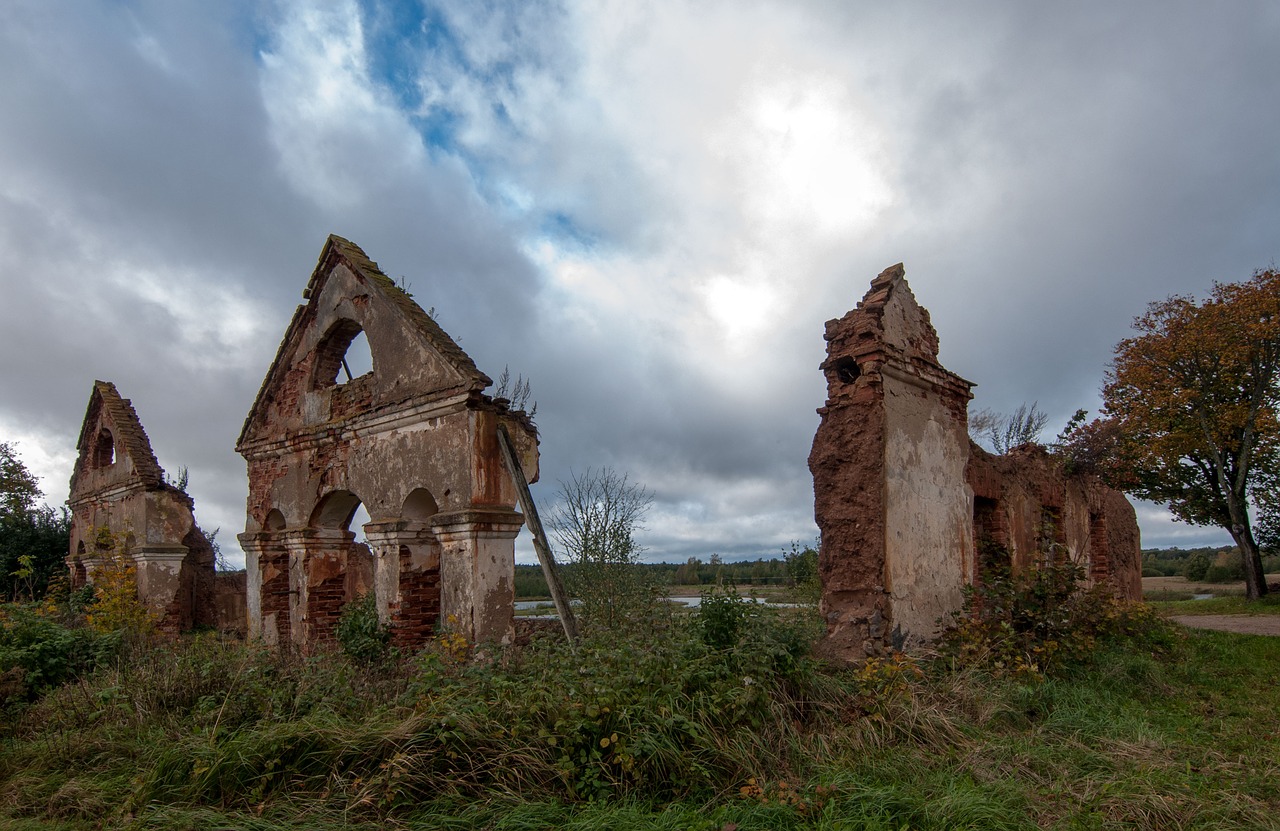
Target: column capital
[(501, 522)]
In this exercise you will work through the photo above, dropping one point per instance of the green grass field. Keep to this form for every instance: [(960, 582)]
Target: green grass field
[(664, 729)]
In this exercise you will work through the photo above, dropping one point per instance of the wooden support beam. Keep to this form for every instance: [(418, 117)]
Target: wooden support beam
[(558, 597)]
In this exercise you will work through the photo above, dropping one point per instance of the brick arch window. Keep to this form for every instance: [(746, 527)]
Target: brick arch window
[(104, 449), (343, 354)]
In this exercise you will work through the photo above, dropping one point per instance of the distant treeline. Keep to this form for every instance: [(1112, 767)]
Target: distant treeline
[(1209, 565), (794, 568)]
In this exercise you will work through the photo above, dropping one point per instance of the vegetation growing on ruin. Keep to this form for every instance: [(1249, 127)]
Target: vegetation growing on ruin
[(716, 719)]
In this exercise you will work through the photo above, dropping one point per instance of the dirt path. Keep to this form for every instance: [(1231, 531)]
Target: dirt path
[(1244, 624)]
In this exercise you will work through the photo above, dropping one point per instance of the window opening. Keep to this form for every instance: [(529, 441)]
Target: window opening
[(358, 360), (420, 506), (343, 355), (357, 523), (846, 370), (104, 449)]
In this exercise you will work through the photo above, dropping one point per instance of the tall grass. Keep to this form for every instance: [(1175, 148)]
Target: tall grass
[(686, 725)]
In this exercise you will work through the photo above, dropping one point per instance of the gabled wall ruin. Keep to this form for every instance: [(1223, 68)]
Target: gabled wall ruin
[(118, 485), (903, 497), (414, 440)]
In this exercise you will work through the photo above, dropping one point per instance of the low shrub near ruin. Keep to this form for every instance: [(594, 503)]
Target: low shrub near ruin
[(1044, 621), (716, 719)]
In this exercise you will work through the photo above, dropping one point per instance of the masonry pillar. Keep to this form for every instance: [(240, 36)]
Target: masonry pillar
[(477, 571), (317, 581), (406, 578), (158, 570), (267, 595)]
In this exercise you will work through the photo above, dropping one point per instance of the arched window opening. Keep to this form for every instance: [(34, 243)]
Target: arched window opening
[(341, 509), (343, 355), (419, 506), (104, 449), (275, 520), (358, 520)]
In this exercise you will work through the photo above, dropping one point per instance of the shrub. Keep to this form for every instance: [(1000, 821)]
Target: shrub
[(721, 617), (361, 635), (46, 652), (1224, 574), (116, 606), (1039, 623)]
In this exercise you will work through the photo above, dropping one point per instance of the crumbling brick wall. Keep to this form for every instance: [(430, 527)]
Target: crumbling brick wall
[(414, 441), (903, 498), (117, 484)]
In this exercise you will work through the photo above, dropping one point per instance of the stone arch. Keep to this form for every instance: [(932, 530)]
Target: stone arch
[(338, 568), (335, 510), (333, 348), (419, 506), (274, 521), (407, 563)]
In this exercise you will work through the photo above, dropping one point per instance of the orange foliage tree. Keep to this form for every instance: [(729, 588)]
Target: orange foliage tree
[(1191, 407)]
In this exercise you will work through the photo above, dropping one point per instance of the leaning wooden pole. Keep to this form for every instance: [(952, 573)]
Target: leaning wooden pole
[(558, 597)]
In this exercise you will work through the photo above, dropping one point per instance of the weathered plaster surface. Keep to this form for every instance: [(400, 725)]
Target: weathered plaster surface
[(902, 497), (414, 441), (117, 484), (925, 450)]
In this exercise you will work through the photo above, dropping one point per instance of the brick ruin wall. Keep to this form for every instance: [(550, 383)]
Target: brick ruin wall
[(413, 440), (904, 500), (118, 485)]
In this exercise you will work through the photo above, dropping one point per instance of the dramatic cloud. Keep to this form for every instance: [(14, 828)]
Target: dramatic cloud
[(649, 210)]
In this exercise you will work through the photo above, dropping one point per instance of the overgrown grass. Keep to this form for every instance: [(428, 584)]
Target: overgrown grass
[(1230, 605), (702, 722)]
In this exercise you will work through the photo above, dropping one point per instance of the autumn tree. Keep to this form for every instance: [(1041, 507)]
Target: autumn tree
[(1191, 403)]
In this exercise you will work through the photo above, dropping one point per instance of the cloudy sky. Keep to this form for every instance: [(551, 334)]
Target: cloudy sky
[(649, 209)]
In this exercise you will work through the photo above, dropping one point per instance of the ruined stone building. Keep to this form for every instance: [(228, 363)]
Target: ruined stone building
[(118, 487), (903, 498), (414, 440)]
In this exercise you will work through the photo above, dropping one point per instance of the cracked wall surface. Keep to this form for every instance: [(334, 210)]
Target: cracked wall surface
[(903, 498), (118, 485), (414, 441)]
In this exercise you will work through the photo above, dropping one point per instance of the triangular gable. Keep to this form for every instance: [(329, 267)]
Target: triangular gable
[(338, 251), (106, 407)]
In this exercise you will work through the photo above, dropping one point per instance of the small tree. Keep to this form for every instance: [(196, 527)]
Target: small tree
[(594, 526), (1192, 401), (33, 537), (116, 607)]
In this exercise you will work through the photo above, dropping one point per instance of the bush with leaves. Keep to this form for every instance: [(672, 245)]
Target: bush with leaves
[(116, 607), (1040, 622), (45, 652), (361, 635)]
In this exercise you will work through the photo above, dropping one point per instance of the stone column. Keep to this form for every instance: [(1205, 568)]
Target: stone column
[(158, 570), (267, 597), (317, 561), (406, 578), (477, 571)]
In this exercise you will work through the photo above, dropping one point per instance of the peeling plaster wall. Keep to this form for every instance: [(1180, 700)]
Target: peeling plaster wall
[(925, 455), (117, 484), (901, 495), (414, 441)]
